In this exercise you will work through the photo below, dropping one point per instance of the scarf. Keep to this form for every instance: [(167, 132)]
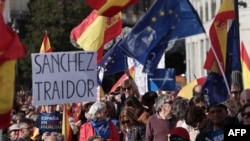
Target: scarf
[(101, 128)]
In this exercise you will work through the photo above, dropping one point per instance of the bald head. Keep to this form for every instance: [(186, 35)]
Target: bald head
[(245, 96), (51, 138)]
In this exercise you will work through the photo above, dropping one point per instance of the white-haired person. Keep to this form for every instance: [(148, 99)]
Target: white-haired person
[(98, 125)]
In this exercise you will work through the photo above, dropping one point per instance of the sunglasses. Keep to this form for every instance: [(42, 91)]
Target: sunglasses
[(245, 114), (127, 88)]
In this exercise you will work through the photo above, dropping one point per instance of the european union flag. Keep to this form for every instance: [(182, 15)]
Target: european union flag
[(214, 88), (165, 20), (162, 79), (114, 60)]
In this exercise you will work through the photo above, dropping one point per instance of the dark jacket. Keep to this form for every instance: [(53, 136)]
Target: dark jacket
[(141, 129)]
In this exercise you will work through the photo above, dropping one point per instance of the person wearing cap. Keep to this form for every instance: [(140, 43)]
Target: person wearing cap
[(179, 134), (13, 131)]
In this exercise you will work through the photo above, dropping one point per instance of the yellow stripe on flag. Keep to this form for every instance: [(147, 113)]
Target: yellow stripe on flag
[(245, 64), (7, 81), (66, 129), (45, 47), (93, 36), (218, 36)]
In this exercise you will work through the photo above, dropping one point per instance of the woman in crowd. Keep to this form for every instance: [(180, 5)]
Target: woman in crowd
[(246, 114), (111, 114), (131, 128), (135, 105), (148, 101), (98, 125), (83, 116)]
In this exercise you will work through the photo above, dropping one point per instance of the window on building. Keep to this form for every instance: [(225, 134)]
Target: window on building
[(213, 8), (206, 12), (201, 14)]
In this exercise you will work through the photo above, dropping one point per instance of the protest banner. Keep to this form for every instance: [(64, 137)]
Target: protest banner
[(63, 77), (50, 122)]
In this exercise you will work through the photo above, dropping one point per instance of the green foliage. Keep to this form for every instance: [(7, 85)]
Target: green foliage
[(58, 18)]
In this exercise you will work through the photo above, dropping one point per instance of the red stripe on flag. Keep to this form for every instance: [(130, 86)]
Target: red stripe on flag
[(79, 30), (122, 78), (110, 7), (10, 45), (5, 120), (244, 56), (218, 38), (45, 47)]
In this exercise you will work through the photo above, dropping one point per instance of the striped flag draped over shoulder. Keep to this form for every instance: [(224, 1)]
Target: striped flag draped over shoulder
[(224, 47), (164, 21), (11, 49)]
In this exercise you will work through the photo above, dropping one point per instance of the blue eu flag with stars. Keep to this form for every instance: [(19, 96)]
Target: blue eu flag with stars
[(165, 20), (114, 61)]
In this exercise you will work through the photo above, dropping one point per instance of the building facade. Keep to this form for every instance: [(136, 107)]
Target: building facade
[(198, 46)]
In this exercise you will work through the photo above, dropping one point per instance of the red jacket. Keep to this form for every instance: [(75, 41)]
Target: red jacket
[(87, 131)]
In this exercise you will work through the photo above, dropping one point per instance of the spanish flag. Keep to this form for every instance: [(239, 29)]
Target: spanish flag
[(245, 62), (66, 128), (95, 31), (45, 47), (11, 49), (218, 35), (110, 7)]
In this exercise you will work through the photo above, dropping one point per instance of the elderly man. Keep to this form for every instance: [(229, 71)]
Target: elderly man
[(160, 124), (26, 129)]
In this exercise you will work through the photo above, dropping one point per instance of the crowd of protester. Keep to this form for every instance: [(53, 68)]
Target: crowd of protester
[(125, 115)]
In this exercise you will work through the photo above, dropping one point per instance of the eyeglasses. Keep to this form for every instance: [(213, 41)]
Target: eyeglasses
[(168, 102), (176, 138), (245, 114), (126, 88)]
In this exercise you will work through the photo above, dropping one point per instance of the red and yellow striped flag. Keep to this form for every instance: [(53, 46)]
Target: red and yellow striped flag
[(95, 31), (245, 62), (218, 36), (66, 128), (110, 7), (45, 47), (11, 49)]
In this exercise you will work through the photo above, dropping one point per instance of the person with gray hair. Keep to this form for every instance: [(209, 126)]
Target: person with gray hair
[(98, 124), (160, 124), (26, 129)]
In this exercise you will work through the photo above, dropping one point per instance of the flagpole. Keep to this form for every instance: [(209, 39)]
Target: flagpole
[(237, 30)]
